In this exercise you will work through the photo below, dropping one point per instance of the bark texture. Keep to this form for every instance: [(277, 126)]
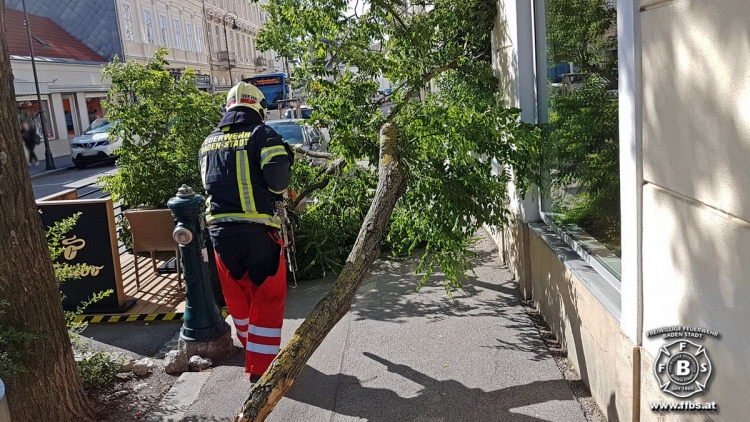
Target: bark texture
[(50, 390), (267, 392)]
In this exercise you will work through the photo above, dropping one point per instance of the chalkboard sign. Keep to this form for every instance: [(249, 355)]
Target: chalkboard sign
[(92, 241)]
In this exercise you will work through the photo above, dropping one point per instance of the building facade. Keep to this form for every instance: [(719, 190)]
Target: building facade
[(677, 92), (213, 37), (70, 80)]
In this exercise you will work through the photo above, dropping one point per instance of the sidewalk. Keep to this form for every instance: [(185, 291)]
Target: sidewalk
[(402, 355), (62, 163)]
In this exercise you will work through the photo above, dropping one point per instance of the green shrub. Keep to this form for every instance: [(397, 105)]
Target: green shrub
[(163, 122)]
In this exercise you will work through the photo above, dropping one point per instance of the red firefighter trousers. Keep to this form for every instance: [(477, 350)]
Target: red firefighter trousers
[(257, 311)]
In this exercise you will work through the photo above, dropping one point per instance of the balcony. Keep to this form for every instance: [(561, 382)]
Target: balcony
[(224, 59), (261, 62)]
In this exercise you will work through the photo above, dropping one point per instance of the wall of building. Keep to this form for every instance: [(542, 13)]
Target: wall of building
[(696, 200), (141, 39), (93, 22), (591, 336), (686, 123), (75, 82)]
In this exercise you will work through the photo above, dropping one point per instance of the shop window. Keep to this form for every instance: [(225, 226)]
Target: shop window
[(580, 117), (29, 111), (94, 108)]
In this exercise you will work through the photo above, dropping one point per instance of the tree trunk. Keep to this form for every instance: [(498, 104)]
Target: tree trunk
[(267, 392), (50, 389)]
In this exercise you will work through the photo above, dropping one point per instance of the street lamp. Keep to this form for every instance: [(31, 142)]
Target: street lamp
[(48, 160), (226, 40)]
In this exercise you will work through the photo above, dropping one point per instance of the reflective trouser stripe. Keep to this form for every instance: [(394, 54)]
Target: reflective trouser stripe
[(264, 332), (263, 349)]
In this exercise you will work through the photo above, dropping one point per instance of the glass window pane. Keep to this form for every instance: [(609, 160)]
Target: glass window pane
[(149, 26), (582, 131), (177, 37)]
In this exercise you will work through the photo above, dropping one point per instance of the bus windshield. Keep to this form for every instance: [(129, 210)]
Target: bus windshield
[(272, 86)]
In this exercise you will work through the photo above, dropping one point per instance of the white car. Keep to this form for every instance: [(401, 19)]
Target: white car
[(94, 145)]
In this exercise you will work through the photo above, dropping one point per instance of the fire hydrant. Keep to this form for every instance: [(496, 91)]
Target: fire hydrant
[(202, 321)]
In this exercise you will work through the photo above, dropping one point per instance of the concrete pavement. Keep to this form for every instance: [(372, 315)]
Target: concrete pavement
[(69, 178), (62, 163), (403, 355)]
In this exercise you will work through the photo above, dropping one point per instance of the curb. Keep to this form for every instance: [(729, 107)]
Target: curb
[(181, 396), (172, 316), (50, 172)]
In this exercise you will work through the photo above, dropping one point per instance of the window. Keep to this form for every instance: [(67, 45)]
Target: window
[(249, 50), (199, 36), (189, 36), (163, 27), (177, 37), (128, 18), (149, 26), (579, 107), (219, 47)]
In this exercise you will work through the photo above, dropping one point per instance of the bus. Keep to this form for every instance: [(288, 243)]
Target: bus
[(272, 85)]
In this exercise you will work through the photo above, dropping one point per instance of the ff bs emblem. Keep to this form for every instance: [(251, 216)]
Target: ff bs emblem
[(682, 368)]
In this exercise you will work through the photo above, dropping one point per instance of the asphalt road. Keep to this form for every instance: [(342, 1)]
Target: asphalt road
[(69, 179)]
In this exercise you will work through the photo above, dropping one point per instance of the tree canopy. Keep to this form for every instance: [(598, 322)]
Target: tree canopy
[(445, 102)]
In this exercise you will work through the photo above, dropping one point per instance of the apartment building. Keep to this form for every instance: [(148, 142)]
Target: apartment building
[(213, 37), (70, 80)]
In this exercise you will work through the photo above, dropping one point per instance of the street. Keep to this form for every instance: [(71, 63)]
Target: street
[(69, 179)]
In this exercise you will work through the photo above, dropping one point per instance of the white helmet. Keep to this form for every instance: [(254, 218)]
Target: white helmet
[(247, 95)]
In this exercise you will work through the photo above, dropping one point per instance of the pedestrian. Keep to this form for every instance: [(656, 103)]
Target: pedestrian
[(246, 167), (30, 140), (69, 122)]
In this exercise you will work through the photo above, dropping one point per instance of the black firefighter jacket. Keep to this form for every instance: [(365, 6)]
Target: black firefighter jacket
[(245, 166)]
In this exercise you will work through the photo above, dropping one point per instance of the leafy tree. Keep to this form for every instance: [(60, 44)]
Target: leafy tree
[(163, 122), (50, 388), (437, 155)]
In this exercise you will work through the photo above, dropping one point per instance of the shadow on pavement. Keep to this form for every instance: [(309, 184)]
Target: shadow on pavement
[(439, 400)]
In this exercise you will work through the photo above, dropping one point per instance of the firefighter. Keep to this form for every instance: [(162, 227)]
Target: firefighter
[(246, 167)]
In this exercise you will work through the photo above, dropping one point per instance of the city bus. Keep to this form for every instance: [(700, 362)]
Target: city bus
[(272, 85)]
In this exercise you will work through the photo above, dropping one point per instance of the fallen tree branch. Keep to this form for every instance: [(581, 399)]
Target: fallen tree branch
[(280, 376), (313, 154), (330, 170)]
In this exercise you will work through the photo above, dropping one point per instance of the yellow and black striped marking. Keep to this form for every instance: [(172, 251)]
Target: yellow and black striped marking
[(172, 316)]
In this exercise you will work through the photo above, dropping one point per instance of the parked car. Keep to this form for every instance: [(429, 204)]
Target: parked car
[(94, 145), (291, 113), (303, 134)]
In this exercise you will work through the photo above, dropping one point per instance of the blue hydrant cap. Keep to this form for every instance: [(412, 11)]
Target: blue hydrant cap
[(185, 192)]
